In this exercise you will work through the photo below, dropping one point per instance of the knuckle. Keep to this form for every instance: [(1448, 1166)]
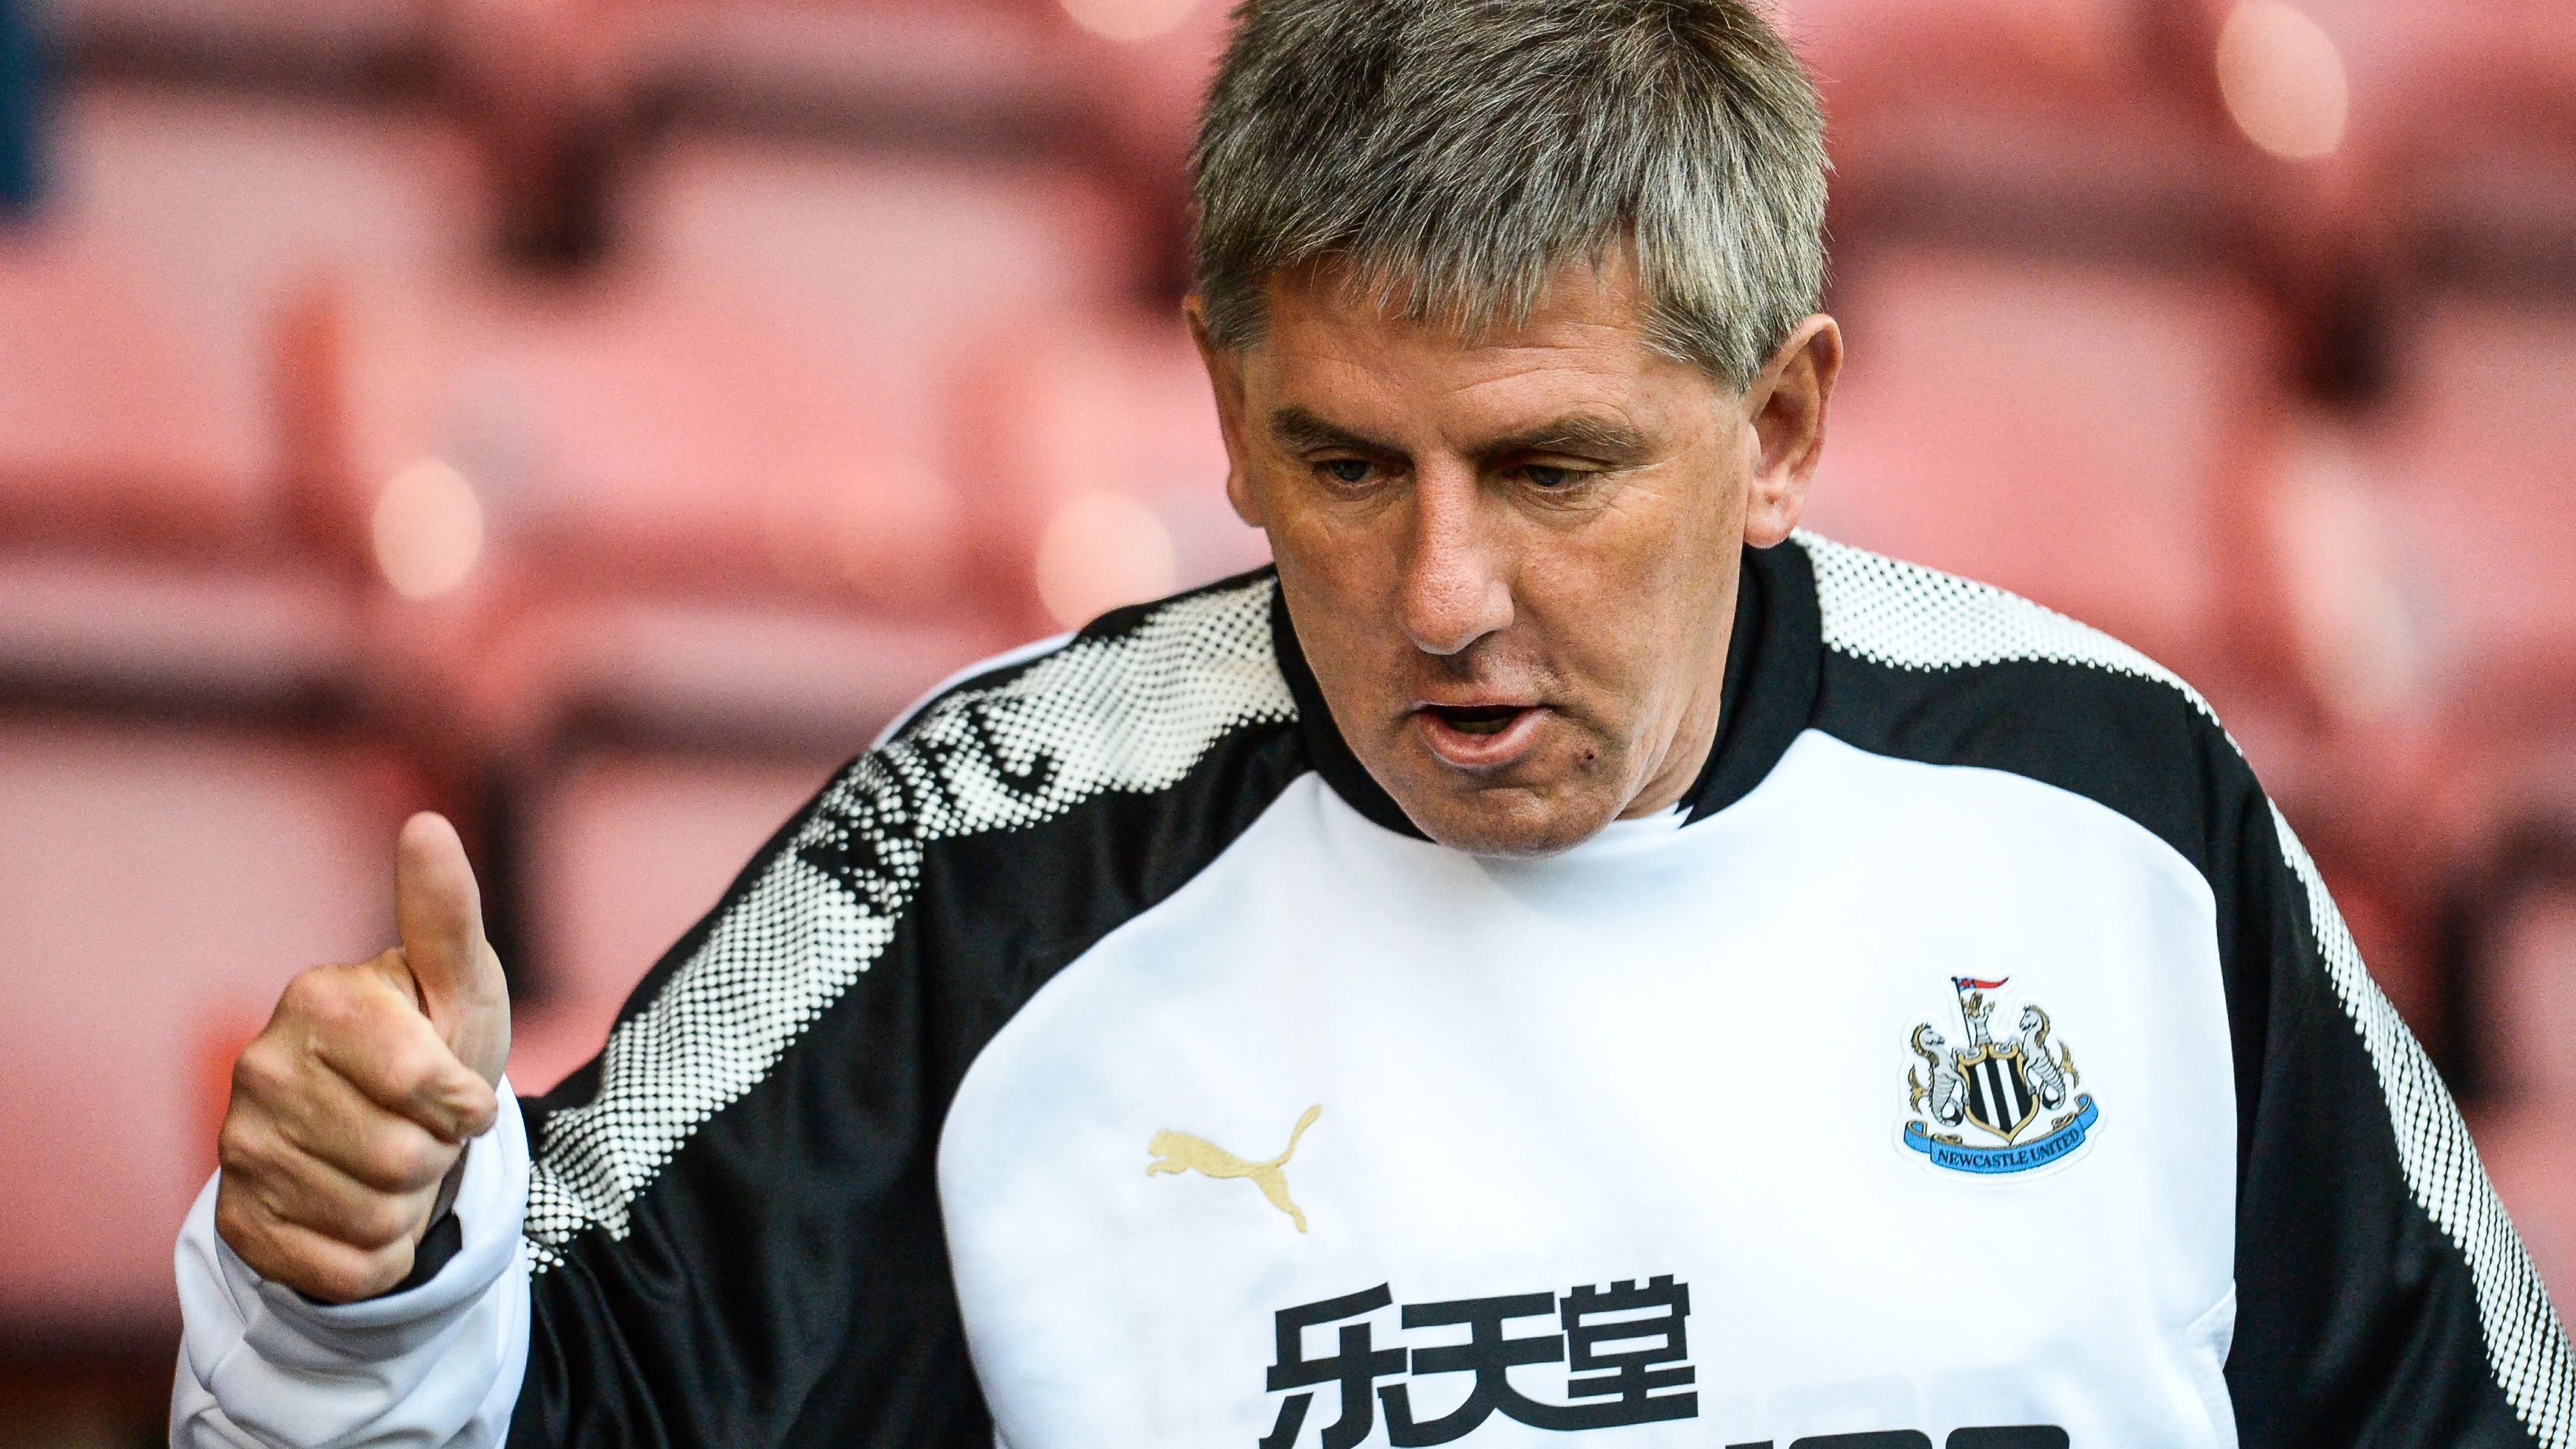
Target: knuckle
[(311, 992), (342, 1281), (238, 1223), (393, 1156), (410, 1064), (233, 1151), (383, 1268), (343, 998), (262, 1069), (243, 1150), (411, 1159), (377, 1220)]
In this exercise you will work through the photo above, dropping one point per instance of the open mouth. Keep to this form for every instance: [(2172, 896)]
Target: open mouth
[(1478, 719)]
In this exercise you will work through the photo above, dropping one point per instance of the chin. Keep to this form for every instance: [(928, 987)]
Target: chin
[(1506, 822)]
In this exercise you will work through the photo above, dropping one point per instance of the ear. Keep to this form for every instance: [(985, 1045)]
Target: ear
[(1225, 378), (1786, 407)]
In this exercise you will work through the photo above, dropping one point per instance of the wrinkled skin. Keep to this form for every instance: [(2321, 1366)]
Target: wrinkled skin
[(1512, 560)]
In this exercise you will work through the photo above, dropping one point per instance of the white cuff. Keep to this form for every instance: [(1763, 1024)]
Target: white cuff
[(439, 1364)]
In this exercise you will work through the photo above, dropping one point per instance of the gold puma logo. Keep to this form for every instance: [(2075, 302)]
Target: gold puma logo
[(1178, 1152)]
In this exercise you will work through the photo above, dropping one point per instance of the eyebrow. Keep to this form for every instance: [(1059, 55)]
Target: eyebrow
[(1299, 430), (1582, 433)]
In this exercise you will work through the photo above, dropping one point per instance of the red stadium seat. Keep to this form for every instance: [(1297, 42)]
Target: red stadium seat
[(159, 538), (758, 400), (2071, 432), (163, 886), (2478, 462), (164, 631), (1099, 437), (112, 426), (232, 206), (636, 438), (893, 260), (146, 545)]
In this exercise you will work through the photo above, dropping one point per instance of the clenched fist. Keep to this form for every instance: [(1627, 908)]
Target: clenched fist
[(351, 1111)]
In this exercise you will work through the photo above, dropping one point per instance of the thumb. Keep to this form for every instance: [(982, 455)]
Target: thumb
[(439, 911)]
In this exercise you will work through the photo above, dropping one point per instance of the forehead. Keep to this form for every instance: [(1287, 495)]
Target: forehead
[(1585, 305), (1334, 346)]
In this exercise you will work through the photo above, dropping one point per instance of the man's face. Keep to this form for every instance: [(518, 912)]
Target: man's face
[(1512, 561)]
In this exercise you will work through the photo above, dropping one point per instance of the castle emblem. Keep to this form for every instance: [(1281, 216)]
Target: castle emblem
[(2017, 1096)]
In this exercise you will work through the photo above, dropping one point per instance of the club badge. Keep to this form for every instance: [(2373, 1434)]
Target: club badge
[(1989, 1106)]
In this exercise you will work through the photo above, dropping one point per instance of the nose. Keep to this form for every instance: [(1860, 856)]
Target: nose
[(1456, 589)]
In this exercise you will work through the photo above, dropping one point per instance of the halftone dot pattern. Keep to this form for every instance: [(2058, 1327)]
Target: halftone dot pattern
[(2526, 1347), (1906, 616), (1132, 711)]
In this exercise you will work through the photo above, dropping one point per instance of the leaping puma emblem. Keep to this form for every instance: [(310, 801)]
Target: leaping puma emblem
[(1178, 1152)]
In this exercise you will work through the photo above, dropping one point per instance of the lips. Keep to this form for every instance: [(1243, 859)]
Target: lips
[(1478, 737)]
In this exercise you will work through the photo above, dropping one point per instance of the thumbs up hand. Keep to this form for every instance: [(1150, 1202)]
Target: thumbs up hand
[(352, 1109)]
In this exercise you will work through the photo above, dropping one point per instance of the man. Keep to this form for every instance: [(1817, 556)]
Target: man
[(1565, 955)]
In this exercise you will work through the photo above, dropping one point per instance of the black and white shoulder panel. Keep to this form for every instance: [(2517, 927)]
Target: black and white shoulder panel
[(731, 1216), (2384, 1296)]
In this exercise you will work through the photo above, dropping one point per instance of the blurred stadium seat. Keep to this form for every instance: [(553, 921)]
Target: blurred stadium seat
[(111, 425), (629, 437), (1098, 433), (171, 635), (2071, 431), (2479, 461), (893, 256), (144, 541), (231, 205), (163, 885), (2061, 127)]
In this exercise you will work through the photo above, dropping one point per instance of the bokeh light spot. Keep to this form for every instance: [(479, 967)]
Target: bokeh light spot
[(1129, 19), (428, 530), (1100, 551), (2283, 80)]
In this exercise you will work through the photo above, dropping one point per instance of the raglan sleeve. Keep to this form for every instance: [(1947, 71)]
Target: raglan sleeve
[(732, 1228), (2383, 1297), (722, 1230)]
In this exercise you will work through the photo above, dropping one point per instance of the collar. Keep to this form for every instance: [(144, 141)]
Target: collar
[(1774, 666)]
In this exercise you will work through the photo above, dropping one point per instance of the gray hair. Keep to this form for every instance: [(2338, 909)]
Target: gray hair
[(1454, 155)]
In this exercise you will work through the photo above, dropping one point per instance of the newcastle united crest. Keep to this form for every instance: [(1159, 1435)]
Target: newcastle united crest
[(1988, 1106)]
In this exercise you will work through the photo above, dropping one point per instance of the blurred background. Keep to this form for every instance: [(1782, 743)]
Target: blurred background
[(596, 418)]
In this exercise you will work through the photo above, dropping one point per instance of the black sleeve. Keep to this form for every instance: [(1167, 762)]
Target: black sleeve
[(793, 1231), (733, 1221), (2383, 1297)]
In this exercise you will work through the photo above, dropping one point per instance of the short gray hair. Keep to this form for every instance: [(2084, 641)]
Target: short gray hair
[(1453, 155)]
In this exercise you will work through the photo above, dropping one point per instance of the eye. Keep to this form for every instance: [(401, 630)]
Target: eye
[(1550, 478), (1347, 470)]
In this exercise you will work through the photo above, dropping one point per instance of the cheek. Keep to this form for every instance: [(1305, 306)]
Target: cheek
[(1322, 561), (1636, 578), (1351, 557)]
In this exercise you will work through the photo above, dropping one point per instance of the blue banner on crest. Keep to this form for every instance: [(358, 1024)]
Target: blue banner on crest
[(2038, 1152)]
